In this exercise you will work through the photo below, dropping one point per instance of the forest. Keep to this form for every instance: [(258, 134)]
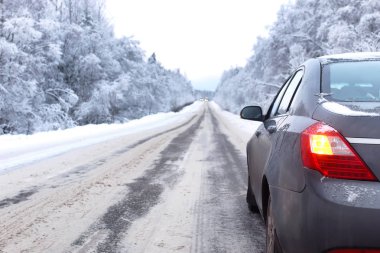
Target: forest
[(62, 66), (304, 29)]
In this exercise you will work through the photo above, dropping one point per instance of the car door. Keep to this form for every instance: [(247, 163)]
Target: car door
[(263, 143)]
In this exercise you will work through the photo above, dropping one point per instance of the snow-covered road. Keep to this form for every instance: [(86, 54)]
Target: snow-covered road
[(173, 184)]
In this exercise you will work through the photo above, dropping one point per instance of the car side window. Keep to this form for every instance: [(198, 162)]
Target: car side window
[(277, 101), (289, 93)]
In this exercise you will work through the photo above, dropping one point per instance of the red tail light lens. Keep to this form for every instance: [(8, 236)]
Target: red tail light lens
[(324, 149)]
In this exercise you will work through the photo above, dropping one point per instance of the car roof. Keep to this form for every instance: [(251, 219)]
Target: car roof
[(349, 57)]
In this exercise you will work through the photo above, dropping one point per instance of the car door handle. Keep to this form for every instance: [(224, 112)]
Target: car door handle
[(258, 133), (272, 129)]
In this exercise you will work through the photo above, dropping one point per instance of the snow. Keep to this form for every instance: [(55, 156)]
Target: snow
[(68, 191), (352, 56), (357, 192), (352, 196), (189, 215), (16, 150), (352, 193), (343, 110), (244, 129), (44, 87), (168, 226)]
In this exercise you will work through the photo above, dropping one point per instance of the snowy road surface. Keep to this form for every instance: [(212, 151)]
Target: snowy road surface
[(178, 186)]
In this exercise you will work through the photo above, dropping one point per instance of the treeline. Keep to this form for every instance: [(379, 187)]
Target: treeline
[(304, 29), (202, 94), (61, 66)]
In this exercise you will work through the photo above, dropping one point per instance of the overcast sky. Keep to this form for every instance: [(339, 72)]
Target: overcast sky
[(202, 38)]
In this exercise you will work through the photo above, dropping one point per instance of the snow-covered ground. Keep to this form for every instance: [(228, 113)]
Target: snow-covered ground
[(16, 150), (241, 130), (166, 183)]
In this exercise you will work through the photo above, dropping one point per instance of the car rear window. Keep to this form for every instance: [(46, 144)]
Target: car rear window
[(352, 81)]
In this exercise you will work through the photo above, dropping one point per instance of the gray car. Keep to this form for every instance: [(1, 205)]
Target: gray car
[(314, 163)]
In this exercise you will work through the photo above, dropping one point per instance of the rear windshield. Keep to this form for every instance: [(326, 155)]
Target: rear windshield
[(352, 81)]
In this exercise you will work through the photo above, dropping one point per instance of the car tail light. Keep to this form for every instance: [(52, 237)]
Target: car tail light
[(324, 149), (355, 251)]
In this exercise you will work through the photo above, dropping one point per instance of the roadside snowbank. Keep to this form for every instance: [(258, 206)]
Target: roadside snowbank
[(16, 150), (244, 129)]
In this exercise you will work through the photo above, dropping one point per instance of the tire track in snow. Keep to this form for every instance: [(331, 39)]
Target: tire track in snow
[(21, 196), (79, 172), (142, 195), (224, 221)]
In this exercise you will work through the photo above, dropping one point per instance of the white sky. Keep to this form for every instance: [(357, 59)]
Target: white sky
[(202, 38)]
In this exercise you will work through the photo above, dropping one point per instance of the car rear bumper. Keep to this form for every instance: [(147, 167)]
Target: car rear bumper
[(328, 214)]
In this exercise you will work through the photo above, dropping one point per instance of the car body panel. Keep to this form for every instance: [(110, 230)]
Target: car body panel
[(328, 214), (350, 126), (285, 169), (257, 161)]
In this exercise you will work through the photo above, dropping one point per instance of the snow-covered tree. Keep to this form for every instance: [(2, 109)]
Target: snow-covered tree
[(61, 66), (304, 29)]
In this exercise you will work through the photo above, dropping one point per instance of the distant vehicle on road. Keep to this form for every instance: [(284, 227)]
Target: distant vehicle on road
[(314, 163)]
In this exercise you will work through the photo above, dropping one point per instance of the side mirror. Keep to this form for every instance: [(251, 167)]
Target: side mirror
[(252, 113)]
